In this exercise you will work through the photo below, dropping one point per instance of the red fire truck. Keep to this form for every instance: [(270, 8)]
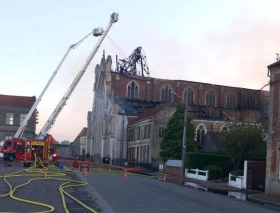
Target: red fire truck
[(24, 150)]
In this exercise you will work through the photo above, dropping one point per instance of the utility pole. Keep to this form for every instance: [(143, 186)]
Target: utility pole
[(184, 144)]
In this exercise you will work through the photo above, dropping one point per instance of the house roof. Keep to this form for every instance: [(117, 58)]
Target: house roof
[(149, 113), (277, 63), (131, 119), (16, 101), (134, 107), (211, 143), (82, 133), (173, 163)]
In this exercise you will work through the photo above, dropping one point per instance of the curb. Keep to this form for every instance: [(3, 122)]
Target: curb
[(263, 201), (102, 204), (224, 189), (205, 187)]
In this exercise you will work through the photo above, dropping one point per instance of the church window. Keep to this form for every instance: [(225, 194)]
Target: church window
[(132, 90), (231, 100), (166, 93), (200, 133), (190, 94), (210, 98)]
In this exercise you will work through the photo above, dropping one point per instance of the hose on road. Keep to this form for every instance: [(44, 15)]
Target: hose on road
[(44, 175)]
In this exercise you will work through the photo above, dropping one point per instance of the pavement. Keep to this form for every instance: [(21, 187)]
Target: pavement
[(255, 196), (41, 191), (266, 199), (145, 194), (204, 184)]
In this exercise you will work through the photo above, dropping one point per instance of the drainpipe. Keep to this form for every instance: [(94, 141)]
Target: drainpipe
[(102, 148)]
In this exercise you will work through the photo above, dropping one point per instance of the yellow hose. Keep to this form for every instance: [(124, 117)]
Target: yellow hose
[(44, 175)]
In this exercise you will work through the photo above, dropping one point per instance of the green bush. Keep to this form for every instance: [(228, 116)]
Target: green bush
[(200, 160), (237, 172), (256, 158), (215, 172)]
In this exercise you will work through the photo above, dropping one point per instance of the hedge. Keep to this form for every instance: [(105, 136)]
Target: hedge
[(215, 172), (201, 160)]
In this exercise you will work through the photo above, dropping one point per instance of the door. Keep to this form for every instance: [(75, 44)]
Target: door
[(259, 179), (19, 151)]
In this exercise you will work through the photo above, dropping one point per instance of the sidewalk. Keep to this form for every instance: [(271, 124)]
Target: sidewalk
[(265, 199), (258, 197), (204, 184)]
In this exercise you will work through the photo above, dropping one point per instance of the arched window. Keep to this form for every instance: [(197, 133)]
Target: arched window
[(132, 90), (165, 93), (190, 94), (250, 102), (231, 100), (200, 133), (210, 98)]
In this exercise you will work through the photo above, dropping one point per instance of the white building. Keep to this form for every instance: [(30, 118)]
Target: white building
[(112, 109)]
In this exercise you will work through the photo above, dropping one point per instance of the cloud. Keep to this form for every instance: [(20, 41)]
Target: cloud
[(235, 56), (244, 49)]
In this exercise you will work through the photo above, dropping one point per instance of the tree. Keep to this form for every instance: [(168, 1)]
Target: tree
[(243, 140), (171, 145)]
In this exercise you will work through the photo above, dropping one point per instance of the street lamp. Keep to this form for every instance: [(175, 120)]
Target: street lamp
[(184, 144)]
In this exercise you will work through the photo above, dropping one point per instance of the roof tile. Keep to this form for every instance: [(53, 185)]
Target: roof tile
[(16, 101), (150, 113)]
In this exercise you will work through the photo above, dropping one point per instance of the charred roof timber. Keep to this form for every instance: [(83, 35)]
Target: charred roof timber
[(128, 66)]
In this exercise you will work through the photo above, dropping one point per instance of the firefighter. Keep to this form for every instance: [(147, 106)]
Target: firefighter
[(56, 164)]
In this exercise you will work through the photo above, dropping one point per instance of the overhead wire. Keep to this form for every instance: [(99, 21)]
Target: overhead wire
[(115, 44)]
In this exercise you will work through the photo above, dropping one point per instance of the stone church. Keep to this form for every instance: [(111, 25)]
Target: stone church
[(121, 95)]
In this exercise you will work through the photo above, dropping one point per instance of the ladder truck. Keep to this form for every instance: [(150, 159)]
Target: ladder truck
[(14, 148), (42, 137)]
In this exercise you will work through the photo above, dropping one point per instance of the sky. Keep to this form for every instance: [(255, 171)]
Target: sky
[(219, 42)]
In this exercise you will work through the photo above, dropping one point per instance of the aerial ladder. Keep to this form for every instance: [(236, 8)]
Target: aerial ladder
[(9, 149), (22, 127), (50, 122)]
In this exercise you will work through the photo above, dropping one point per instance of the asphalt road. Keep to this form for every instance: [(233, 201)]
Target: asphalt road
[(143, 194), (41, 191)]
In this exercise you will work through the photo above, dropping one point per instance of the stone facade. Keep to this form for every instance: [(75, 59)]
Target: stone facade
[(118, 98), (106, 123), (13, 110), (273, 142)]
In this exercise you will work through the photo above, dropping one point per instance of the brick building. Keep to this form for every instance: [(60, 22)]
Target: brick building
[(13, 111), (273, 143), (145, 134), (120, 97)]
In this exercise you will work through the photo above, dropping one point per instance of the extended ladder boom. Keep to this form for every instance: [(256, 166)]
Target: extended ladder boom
[(21, 129), (113, 18)]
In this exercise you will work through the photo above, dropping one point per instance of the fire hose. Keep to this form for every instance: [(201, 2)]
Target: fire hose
[(44, 174)]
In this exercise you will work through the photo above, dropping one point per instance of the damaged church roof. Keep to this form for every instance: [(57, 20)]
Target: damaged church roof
[(134, 107), (151, 112)]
